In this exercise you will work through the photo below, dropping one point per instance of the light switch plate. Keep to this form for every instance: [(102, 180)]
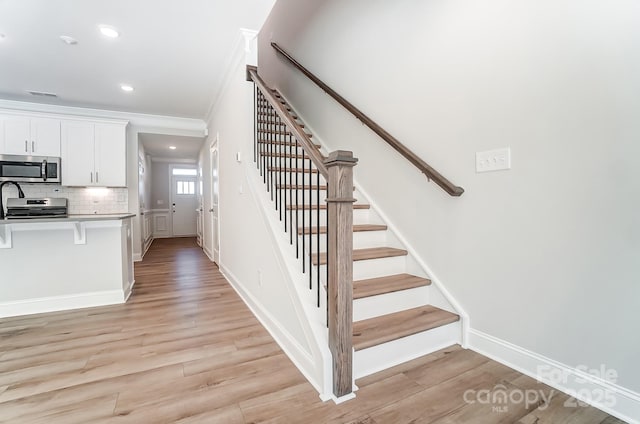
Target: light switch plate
[(493, 160)]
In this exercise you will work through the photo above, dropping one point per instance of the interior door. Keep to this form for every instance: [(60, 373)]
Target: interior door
[(215, 233), (183, 205)]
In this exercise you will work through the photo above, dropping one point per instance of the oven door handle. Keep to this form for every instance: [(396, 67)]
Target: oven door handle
[(44, 170)]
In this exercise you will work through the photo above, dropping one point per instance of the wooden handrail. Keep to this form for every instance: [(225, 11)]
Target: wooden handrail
[(314, 154), (424, 167)]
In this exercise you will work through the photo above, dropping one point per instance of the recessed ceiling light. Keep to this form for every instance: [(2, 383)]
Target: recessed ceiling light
[(2, 36), (126, 87), (109, 31), (69, 40), (173, 147)]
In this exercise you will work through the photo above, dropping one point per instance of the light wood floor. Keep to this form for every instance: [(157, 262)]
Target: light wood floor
[(186, 349)]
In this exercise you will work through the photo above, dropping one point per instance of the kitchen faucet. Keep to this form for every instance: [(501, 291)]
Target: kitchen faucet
[(20, 194)]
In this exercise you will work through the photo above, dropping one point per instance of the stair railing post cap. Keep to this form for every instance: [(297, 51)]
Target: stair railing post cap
[(340, 157)]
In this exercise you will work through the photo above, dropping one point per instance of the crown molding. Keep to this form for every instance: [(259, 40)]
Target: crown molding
[(135, 119)]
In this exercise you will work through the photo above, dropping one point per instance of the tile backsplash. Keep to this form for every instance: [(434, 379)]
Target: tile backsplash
[(82, 200)]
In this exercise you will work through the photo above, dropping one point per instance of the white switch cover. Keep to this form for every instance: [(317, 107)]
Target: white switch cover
[(493, 160)]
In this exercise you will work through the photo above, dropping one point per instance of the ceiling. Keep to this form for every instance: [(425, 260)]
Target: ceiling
[(172, 52), (157, 146)]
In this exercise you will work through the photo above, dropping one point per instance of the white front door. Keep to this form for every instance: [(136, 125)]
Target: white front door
[(183, 205), (215, 235)]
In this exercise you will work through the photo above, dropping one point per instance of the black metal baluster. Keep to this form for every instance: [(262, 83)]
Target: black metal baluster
[(327, 250), (291, 153), (265, 148), (283, 157), (318, 236), (310, 226), (304, 254), (255, 125), (296, 171), (272, 156)]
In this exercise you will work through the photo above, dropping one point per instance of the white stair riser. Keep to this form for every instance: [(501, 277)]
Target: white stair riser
[(361, 239), (387, 355), (389, 303), (274, 161), (310, 197), (372, 268), (369, 268), (302, 178), (360, 216)]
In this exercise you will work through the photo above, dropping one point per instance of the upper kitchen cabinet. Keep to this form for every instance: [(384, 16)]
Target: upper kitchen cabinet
[(31, 136), (94, 154)]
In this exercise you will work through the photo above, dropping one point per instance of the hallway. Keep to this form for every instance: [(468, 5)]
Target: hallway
[(185, 348)]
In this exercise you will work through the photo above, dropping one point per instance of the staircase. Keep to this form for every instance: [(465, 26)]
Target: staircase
[(397, 313)]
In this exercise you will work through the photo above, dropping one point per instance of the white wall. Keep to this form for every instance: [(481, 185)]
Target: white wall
[(544, 256), (245, 246), (160, 185)]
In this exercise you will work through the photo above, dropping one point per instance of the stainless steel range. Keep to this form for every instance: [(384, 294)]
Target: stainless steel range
[(48, 207)]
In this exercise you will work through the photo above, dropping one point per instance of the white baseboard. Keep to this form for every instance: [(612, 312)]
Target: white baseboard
[(302, 359), (147, 245), (137, 257), (129, 290), (61, 303), (208, 253), (594, 390)]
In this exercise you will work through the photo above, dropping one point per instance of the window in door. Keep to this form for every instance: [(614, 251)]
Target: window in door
[(185, 187)]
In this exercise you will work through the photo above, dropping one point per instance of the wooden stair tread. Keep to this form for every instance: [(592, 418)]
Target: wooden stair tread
[(385, 328), (296, 170), (269, 107), (302, 187), (265, 131), (356, 228), (323, 207), (282, 124), (285, 143), (387, 284), (282, 155), (268, 113), (364, 254)]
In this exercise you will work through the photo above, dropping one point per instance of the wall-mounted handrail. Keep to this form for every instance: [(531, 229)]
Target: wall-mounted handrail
[(315, 155), (424, 167)]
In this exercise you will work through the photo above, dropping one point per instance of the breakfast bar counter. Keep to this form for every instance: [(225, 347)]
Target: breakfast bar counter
[(53, 264)]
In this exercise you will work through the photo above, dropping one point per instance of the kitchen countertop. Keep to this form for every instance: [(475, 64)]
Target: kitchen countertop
[(71, 218)]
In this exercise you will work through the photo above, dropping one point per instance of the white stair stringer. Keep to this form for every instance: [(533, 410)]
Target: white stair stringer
[(389, 354), (315, 363)]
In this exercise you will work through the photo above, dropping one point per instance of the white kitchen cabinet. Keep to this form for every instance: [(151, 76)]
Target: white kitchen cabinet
[(23, 135), (94, 154), (78, 164), (111, 155)]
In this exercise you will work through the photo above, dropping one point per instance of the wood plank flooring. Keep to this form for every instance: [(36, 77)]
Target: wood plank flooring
[(186, 349)]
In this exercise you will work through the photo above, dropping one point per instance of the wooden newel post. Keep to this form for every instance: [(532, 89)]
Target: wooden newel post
[(340, 262)]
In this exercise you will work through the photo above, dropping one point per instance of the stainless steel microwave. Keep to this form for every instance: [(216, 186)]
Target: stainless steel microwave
[(30, 169)]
